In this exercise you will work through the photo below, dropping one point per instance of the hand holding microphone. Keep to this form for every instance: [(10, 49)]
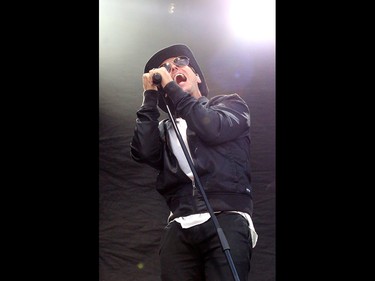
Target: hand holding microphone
[(156, 79), (160, 76)]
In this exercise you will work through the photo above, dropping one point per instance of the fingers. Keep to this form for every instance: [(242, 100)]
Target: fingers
[(148, 78), (147, 82), (165, 75)]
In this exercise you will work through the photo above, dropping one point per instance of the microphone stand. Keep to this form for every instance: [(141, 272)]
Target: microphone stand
[(220, 232)]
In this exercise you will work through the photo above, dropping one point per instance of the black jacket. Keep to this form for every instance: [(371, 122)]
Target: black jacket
[(218, 135)]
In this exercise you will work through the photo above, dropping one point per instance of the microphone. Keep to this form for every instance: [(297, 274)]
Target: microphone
[(156, 79)]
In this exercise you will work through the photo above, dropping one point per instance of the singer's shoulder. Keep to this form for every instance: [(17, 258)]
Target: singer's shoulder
[(234, 97)]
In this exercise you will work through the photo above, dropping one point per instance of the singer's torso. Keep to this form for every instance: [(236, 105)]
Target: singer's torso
[(218, 136)]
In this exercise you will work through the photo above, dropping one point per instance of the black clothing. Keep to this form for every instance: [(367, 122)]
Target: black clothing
[(218, 136), (196, 254)]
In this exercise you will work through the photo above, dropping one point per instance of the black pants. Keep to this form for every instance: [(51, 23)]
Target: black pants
[(195, 254)]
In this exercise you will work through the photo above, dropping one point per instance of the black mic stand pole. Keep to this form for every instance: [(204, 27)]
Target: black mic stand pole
[(223, 239)]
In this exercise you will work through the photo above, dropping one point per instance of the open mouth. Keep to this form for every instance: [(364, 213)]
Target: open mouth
[(179, 78)]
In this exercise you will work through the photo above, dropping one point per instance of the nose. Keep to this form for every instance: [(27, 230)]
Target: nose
[(172, 67)]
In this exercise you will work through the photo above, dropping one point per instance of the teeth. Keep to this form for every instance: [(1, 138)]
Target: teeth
[(179, 75)]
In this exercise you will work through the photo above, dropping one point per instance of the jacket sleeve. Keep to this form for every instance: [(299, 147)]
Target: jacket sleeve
[(146, 146), (223, 118)]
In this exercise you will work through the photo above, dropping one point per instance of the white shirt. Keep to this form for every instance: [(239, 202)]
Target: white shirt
[(196, 219)]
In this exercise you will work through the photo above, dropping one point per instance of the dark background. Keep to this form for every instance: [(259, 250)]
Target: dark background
[(131, 213)]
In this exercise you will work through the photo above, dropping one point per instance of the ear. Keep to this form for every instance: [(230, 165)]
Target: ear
[(198, 78)]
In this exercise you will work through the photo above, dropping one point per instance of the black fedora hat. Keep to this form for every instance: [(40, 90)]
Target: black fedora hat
[(174, 51)]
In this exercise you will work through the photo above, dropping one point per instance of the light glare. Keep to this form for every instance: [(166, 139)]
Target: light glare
[(253, 20)]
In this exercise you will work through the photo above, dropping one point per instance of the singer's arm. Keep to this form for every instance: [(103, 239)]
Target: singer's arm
[(146, 145), (223, 118)]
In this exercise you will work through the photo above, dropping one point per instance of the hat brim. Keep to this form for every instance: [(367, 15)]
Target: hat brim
[(174, 51)]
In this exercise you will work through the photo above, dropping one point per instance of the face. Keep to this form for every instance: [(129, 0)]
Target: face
[(185, 77)]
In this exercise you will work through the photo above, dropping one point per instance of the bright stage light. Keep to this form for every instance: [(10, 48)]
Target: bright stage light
[(253, 20)]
